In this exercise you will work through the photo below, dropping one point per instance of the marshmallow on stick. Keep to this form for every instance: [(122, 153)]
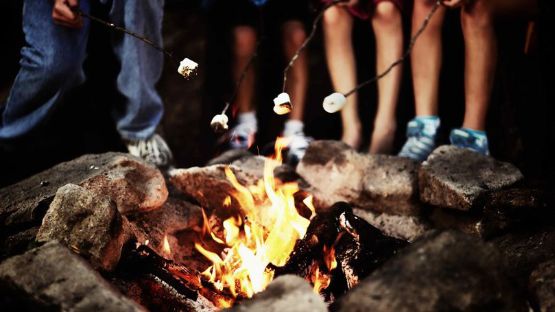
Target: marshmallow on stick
[(334, 102), (282, 104), (219, 123), (187, 67)]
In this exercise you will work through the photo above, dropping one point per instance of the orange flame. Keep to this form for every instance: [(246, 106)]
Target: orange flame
[(265, 232), (320, 280), (166, 250)]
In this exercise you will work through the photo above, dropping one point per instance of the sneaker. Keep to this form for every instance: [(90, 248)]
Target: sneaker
[(421, 138), (297, 144), (153, 150), (474, 140), (242, 136)]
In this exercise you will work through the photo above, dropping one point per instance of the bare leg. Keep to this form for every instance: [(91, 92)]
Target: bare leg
[(480, 62), (293, 37), (426, 58), (388, 31), (338, 26), (244, 46)]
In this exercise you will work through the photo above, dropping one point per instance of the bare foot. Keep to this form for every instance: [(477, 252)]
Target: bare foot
[(351, 136), (383, 137)]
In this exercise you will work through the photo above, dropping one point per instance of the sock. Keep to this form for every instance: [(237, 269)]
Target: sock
[(475, 133), (248, 119), (431, 123), (292, 127)]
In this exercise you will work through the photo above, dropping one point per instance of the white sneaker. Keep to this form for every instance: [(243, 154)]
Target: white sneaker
[(153, 150), (298, 142), (242, 136)]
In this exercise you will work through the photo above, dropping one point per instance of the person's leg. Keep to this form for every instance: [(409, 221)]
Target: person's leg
[(141, 67), (244, 46), (293, 37), (480, 61), (51, 63), (388, 30), (426, 59), (338, 26)]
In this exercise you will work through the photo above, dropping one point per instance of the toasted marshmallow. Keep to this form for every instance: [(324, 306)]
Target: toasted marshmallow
[(334, 102), (187, 67), (282, 104), (219, 123)]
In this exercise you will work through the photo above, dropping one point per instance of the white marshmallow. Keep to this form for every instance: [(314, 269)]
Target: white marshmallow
[(334, 102), (187, 67), (282, 104), (219, 123)]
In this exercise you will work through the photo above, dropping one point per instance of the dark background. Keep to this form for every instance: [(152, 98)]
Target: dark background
[(520, 126)]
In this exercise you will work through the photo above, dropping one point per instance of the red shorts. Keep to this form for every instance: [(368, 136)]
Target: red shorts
[(364, 8)]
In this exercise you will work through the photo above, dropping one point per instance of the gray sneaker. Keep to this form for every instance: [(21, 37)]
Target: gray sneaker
[(153, 150)]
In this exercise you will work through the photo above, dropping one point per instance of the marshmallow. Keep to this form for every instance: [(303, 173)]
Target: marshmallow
[(187, 67), (334, 102), (282, 104), (219, 123)]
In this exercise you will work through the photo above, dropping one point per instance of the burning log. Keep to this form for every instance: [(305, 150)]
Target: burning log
[(341, 245), (185, 281)]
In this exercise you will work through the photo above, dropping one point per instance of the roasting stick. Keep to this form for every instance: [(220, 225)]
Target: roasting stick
[(335, 101), (186, 67)]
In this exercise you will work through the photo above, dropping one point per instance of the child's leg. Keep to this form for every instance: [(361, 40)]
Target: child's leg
[(388, 31), (244, 45), (294, 35), (480, 61), (338, 26), (426, 58)]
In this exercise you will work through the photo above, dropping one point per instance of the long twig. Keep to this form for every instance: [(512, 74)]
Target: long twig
[(307, 40), (405, 55), (125, 31)]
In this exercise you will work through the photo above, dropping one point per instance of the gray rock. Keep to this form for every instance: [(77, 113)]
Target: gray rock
[(446, 271), (460, 179), (287, 293), (525, 250), (380, 183), (27, 201), (53, 278), (209, 186), (134, 185), (408, 228), (542, 286), (87, 223), (17, 243)]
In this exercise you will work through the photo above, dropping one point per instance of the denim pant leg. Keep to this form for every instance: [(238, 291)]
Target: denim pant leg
[(51, 63), (141, 66)]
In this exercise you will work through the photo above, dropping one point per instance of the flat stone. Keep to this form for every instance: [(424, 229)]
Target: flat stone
[(446, 271), (461, 179), (17, 243), (209, 186), (86, 222), (134, 186), (287, 293), (379, 183), (53, 278), (26, 202), (542, 286), (408, 228)]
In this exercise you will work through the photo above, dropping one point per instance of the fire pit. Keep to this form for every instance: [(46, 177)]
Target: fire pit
[(250, 233)]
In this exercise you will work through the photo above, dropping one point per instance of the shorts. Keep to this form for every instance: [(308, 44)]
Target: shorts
[(365, 7)]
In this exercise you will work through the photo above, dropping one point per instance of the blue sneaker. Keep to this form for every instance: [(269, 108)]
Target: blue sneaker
[(474, 140), (421, 138)]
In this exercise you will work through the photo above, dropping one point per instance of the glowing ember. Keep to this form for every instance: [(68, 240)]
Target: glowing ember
[(264, 233), (320, 280)]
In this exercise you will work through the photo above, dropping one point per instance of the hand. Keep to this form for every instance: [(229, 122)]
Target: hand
[(64, 15), (454, 3)]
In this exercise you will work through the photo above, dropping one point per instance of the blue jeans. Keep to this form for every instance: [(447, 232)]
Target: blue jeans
[(52, 59)]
